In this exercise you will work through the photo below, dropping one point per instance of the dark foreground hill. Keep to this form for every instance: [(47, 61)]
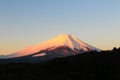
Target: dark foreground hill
[(88, 66)]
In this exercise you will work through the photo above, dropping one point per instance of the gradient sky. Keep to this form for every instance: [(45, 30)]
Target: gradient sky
[(28, 22)]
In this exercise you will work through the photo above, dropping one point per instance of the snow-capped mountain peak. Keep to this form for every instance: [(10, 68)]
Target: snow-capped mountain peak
[(63, 40)]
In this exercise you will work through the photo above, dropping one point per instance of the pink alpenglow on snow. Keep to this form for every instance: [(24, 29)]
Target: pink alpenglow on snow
[(64, 40)]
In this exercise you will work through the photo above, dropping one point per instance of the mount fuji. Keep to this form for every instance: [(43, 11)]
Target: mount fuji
[(61, 46)]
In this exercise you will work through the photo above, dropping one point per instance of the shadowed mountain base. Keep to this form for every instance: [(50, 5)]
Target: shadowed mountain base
[(88, 66)]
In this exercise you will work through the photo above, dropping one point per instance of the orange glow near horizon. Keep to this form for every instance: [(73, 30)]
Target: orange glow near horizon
[(9, 50), (12, 48)]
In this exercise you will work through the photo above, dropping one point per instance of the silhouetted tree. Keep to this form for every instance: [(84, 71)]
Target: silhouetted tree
[(114, 49)]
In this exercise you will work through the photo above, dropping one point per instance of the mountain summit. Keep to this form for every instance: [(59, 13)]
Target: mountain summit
[(62, 45)]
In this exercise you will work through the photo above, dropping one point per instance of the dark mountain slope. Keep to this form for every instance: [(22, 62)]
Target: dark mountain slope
[(88, 66)]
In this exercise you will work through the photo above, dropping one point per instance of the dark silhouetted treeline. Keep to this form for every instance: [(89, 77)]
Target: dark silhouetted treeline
[(89, 66)]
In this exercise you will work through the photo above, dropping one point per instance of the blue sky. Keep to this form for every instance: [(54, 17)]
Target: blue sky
[(28, 22)]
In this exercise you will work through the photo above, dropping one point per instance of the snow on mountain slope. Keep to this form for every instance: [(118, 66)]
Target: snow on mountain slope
[(64, 40)]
